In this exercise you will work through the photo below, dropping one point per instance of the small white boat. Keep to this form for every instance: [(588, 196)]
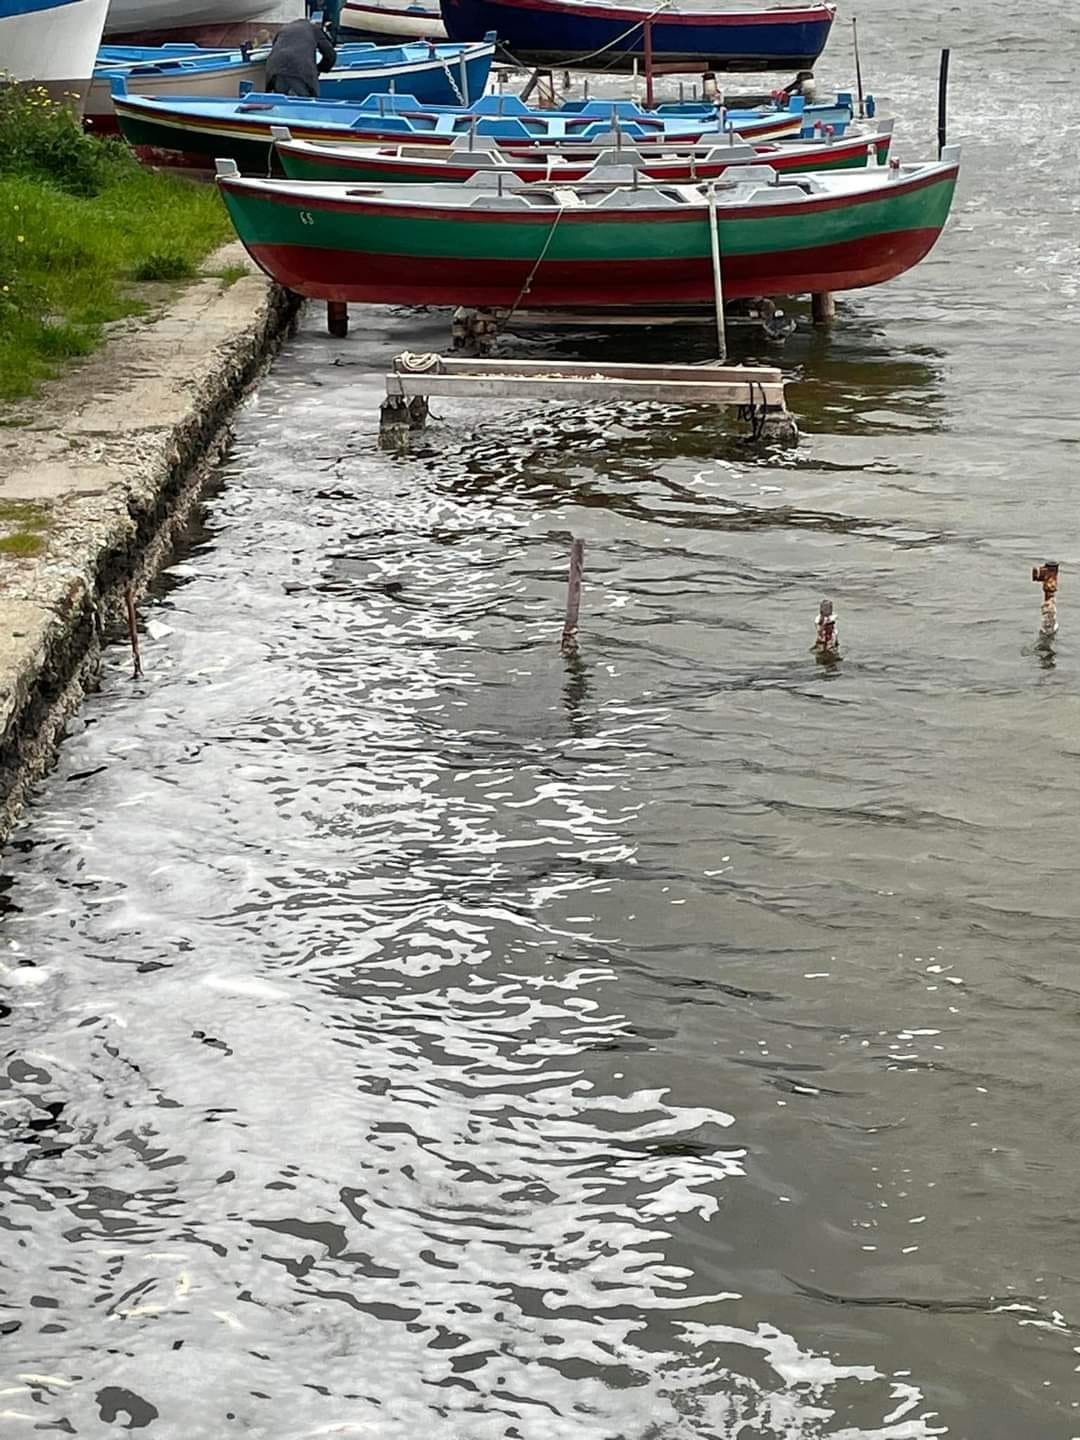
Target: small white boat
[(202, 22), (393, 19), (52, 44)]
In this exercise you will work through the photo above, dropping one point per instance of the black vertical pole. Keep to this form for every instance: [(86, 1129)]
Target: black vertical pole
[(858, 66), (942, 100)]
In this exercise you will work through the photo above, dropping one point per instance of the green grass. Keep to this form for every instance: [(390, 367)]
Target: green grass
[(82, 224), (24, 521), (23, 513), (21, 545), (165, 265), (229, 274)]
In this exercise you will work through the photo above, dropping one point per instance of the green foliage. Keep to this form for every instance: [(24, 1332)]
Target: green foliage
[(41, 137), (164, 265), (80, 221)]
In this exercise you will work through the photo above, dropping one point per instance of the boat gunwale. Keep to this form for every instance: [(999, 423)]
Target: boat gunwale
[(358, 154), (813, 12), (932, 172)]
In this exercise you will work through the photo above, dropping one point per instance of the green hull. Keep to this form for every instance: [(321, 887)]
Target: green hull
[(363, 248)]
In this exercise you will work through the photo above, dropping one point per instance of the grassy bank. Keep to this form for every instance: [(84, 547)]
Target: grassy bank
[(83, 227)]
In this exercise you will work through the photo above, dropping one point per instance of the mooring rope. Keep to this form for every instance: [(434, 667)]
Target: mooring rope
[(756, 415), (532, 273), (453, 83), (581, 59)]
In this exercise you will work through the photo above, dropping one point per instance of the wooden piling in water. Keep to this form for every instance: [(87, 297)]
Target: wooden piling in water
[(827, 638), (573, 594), (823, 307), (1046, 575)]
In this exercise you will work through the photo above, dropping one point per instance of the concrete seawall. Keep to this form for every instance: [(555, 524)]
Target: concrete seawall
[(96, 474)]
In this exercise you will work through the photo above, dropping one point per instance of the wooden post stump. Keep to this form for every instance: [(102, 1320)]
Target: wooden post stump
[(823, 307)]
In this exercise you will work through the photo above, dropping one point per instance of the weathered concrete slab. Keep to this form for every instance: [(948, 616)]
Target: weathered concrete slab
[(94, 472)]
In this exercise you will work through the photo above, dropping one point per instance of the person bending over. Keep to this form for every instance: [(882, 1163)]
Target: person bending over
[(291, 65)]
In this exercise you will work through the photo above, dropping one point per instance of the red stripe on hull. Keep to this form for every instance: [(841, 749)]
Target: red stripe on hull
[(632, 15), (405, 280), (675, 171)]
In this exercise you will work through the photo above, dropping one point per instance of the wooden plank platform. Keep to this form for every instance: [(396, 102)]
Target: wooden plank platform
[(578, 380), (755, 390)]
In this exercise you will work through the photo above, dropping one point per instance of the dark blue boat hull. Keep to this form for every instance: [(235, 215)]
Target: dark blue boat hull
[(539, 32)]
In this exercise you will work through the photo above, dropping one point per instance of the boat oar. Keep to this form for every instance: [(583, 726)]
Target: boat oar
[(718, 283)]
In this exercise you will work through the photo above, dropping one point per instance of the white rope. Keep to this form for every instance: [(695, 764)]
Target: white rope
[(413, 363)]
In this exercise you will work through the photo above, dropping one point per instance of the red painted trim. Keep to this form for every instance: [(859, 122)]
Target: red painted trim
[(674, 170), (364, 277)]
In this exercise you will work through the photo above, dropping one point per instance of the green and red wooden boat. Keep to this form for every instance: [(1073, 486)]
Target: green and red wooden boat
[(603, 245), (427, 164)]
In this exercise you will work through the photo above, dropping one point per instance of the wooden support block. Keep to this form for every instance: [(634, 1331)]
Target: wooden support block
[(823, 308)]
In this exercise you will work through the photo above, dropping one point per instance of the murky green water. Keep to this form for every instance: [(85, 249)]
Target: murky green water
[(412, 1033)]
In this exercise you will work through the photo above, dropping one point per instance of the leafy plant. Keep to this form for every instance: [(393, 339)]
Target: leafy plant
[(39, 136)]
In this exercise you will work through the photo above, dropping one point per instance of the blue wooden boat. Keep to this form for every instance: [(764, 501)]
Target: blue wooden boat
[(700, 34), (452, 74), (203, 130), (836, 115), (111, 57), (448, 74)]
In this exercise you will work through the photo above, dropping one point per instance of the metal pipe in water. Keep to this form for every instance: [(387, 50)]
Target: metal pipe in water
[(942, 102), (858, 67), (718, 279)]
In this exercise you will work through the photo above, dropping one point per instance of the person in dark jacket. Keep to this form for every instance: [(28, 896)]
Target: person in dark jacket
[(291, 67)]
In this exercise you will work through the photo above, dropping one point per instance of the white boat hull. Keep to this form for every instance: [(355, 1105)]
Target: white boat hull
[(203, 22), (54, 46), (395, 19)]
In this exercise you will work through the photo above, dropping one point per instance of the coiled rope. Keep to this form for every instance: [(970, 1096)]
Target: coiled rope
[(414, 363)]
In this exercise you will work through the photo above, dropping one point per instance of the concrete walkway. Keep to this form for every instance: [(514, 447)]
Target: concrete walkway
[(95, 471)]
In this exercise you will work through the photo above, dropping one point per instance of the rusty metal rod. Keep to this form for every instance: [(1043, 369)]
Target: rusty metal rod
[(133, 631)]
